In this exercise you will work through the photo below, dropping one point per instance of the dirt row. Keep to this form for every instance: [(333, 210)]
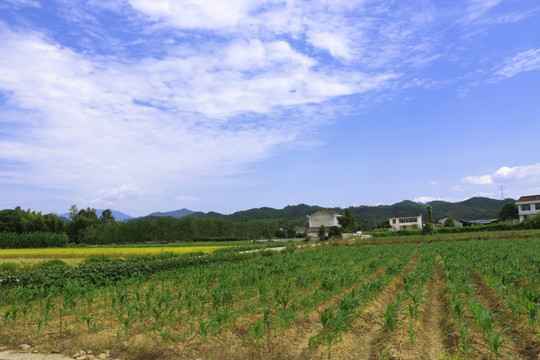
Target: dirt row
[(436, 332), (290, 343)]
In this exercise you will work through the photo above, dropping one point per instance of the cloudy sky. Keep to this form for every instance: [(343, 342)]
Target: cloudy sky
[(157, 105)]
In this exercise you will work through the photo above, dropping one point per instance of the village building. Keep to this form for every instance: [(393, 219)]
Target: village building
[(528, 206), (459, 222), (405, 221), (323, 217)]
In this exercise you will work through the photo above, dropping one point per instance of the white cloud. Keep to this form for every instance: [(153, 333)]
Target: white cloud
[(426, 199), (478, 8), (479, 180), (198, 89), (117, 195), (335, 44), (527, 60), (187, 198), (528, 173), (196, 14), (94, 123), (32, 3)]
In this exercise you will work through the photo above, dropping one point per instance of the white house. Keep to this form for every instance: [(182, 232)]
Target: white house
[(528, 206), (324, 217), (405, 221)]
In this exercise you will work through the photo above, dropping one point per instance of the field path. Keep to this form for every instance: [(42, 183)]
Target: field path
[(364, 340), (16, 355), (295, 339), (431, 337)]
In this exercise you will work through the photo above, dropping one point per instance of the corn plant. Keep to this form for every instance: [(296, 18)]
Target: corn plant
[(391, 319)]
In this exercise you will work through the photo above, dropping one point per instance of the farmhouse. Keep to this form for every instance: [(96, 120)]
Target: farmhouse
[(405, 221), (528, 206), (324, 217), (459, 222)]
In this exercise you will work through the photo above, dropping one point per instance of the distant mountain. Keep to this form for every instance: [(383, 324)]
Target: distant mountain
[(471, 209), (118, 215), (369, 216), (177, 214)]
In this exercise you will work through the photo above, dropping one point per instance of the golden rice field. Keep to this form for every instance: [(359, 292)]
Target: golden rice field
[(75, 255)]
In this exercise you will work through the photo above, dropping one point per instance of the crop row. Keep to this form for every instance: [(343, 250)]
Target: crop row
[(512, 268), (180, 303), (460, 260)]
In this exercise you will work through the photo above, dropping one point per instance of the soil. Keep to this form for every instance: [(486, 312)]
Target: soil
[(436, 334), (16, 355)]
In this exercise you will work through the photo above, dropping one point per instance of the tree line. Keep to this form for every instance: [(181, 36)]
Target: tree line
[(85, 227)]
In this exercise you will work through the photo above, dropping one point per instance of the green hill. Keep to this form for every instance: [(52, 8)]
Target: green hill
[(370, 216)]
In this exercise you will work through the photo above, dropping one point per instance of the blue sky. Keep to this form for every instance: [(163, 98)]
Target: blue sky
[(156, 105)]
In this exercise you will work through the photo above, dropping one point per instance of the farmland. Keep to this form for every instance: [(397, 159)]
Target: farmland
[(76, 255), (472, 299)]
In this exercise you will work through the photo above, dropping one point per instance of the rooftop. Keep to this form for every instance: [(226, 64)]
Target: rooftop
[(328, 211), (405, 215), (529, 198)]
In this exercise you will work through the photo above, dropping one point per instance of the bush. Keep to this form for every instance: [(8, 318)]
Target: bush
[(216, 239), (8, 267), (428, 229), (102, 271), (290, 247), (32, 240), (532, 222), (334, 231)]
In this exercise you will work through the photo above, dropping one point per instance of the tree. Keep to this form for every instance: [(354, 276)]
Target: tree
[(429, 213), (334, 231), (322, 233), (509, 212), (10, 220), (347, 221), (532, 221), (384, 225), (73, 211), (449, 222), (106, 216), (428, 229), (79, 222)]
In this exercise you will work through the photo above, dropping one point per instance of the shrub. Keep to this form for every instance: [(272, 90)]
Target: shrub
[(428, 229), (32, 240), (8, 267), (334, 231)]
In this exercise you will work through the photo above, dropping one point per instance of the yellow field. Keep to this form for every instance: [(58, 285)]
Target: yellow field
[(79, 254)]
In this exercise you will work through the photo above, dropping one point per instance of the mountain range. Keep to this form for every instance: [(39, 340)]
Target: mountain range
[(470, 209)]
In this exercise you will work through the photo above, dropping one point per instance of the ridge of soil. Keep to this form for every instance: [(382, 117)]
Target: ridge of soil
[(526, 345), (364, 340)]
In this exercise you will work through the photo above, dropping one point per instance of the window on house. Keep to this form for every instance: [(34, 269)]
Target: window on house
[(407, 220), (537, 206), (393, 221), (526, 207)]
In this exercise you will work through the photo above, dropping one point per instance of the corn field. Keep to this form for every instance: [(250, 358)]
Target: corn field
[(460, 300)]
